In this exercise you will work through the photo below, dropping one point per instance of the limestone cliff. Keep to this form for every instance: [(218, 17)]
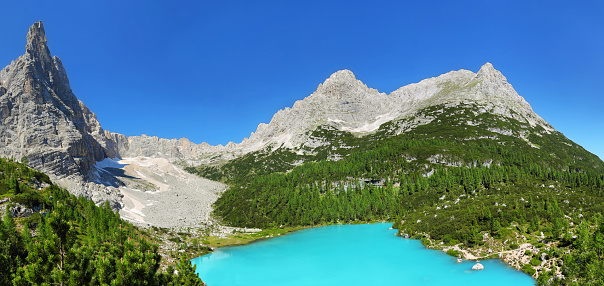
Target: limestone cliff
[(41, 119)]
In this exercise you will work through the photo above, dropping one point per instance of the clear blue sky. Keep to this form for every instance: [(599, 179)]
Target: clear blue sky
[(213, 70)]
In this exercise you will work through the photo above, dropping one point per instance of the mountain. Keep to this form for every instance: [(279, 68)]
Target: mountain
[(41, 119), (343, 114), (43, 123), (347, 104), (459, 161)]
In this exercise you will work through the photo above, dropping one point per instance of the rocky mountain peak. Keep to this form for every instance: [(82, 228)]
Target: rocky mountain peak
[(487, 71), (41, 119), (36, 44), (342, 84), (341, 76)]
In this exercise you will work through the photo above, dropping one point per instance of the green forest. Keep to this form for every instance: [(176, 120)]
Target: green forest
[(448, 180), (71, 241)]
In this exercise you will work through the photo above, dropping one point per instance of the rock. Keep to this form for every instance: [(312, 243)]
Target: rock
[(459, 260), (41, 118), (478, 266), (20, 210)]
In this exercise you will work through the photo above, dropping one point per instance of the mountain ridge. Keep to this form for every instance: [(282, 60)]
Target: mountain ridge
[(44, 121), (343, 85)]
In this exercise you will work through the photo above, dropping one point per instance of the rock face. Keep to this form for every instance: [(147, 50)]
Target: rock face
[(41, 119), (349, 105), (172, 149)]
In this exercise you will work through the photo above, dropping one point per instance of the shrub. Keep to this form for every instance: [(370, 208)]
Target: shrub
[(3, 189), (514, 246), (528, 269), (453, 252), (535, 261), (33, 220), (528, 252), (175, 239), (426, 241), (30, 199)]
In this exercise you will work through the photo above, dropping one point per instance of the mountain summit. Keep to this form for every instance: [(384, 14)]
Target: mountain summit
[(41, 119)]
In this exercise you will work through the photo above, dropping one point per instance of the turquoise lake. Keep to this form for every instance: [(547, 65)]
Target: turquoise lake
[(366, 254)]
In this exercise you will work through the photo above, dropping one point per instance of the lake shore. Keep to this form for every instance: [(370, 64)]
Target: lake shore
[(520, 254), (329, 252)]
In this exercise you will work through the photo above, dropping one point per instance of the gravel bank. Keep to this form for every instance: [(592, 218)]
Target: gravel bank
[(158, 193)]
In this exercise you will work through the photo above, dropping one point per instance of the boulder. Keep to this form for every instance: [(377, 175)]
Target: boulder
[(477, 266), (20, 211)]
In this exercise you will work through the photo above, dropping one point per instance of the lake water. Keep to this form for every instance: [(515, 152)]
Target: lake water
[(366, 254)]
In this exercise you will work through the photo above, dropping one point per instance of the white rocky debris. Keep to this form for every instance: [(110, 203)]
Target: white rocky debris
[(478, 266), (170, 197)]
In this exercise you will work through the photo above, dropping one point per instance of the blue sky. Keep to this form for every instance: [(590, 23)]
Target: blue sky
[(213, 70)]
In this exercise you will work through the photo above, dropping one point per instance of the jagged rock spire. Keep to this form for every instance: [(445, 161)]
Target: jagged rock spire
[(36, 45), (43, 120)]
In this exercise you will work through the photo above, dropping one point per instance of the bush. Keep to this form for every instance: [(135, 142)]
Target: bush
[(452, 252), (426, 241), (528, 269), (3, 189), (528, 252), (454, 242), (175, 239), (514, 246), (535, 261), (30, 199), (33, 220)]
